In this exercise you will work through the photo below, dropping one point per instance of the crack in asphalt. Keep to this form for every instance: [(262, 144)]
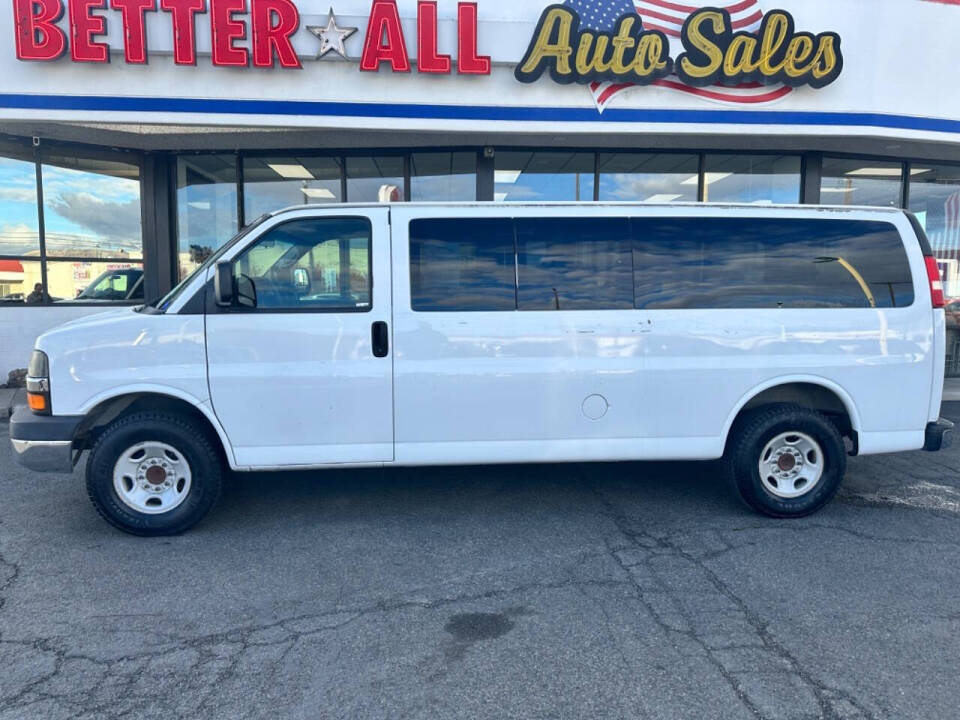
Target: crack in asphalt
[(826, 697), (240, 641)]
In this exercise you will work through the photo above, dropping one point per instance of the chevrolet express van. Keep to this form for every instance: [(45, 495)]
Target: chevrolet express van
[(781, 339)]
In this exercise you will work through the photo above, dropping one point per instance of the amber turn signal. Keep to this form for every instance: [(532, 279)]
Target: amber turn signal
[(37, 402)]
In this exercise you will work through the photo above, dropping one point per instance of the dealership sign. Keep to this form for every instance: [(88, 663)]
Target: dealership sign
[(730, 51), (713, 51), (270, 25)]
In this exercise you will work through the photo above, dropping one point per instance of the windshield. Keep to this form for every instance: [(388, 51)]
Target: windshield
[(163, 303), (112, 285)]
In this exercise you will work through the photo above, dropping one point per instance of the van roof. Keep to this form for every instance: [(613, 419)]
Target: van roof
[(600, 203)]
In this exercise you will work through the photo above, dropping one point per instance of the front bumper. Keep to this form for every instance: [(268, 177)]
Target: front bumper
[(43, 442), (939, 435)]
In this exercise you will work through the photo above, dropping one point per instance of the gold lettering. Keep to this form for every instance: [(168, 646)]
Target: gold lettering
[(621, 43), (798, 52), (584, 60), (696, 38), (774, 35), (739, 57), (559, 20), (826, 60), (650, 56)]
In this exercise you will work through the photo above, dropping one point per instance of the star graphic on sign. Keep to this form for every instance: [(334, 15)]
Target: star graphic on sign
[(331, 36)]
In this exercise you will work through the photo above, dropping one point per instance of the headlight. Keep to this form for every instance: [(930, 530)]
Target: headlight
[(38, 383)]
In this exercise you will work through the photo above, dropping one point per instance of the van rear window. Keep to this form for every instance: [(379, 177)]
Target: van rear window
[(476, 264), (769, 263)]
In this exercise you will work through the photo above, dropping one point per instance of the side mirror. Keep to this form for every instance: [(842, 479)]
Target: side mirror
[(246, 292), (223, 291)]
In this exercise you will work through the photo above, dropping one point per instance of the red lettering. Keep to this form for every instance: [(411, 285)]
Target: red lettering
[(182, 14), (225, 30), (468, 62), (38, 37), (385, 42), (83, 27), (428, 59), (270, 38), (134, 27)]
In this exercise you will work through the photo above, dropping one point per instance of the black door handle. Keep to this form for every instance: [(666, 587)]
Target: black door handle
[(380, 337)]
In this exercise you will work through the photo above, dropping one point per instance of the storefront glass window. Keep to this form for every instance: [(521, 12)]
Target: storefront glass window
[(271, 183), (861, 182), (935, 200), (91, 208), (375, 179), (648, 177), (757, 179), (443, 176), (19, 225), (206, 207), (21, 283), (543, 176), (94, 281)]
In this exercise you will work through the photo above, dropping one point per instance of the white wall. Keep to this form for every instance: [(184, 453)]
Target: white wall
[(20, 326)]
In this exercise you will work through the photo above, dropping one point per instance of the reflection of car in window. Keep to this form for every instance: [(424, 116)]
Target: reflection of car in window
[(113, 286)]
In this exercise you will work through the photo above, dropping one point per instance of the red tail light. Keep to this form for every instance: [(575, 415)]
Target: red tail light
[(936, 285)]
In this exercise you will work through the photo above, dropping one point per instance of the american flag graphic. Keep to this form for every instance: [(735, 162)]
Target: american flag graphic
[(668, 17)]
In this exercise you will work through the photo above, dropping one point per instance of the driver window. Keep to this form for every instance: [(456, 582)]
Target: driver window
[(309, 264)]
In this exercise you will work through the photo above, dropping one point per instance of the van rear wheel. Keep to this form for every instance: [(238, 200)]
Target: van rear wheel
[(785, 460), (153, 473)]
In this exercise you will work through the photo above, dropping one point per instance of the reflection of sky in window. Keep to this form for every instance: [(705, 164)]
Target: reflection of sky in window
[(88, 212), (756, 263), (637, 177), (860, 182), (18, 208), (543, 176), (206, 206), (443, 177), (758, 179)]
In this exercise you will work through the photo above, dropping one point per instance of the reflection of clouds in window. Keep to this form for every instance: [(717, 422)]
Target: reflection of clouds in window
[(460, 264), (543, 176), (91, 213), (650, 188), (758, 263), (574, 263), (443, 176), (752, 178), (19, 234), (206, 206)]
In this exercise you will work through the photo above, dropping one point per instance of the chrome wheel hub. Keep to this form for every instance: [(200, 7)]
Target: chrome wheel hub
[(152, 478), (791, 465)]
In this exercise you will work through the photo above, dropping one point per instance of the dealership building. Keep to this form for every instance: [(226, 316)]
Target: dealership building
[(137, 136)]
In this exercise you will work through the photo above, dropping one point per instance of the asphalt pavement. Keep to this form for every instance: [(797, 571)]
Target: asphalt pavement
[(552, 591)]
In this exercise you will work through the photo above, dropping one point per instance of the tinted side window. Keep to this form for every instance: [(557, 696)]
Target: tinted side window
[(769, 263), (574, 264), (463, 264)]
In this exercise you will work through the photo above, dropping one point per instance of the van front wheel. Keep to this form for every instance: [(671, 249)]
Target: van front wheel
[(153, 473), (785, 460)]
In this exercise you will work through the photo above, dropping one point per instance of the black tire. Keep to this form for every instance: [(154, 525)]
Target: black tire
[(180, 432), (749, 438)]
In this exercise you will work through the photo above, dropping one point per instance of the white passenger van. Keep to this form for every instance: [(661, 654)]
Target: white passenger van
[(780, 339)]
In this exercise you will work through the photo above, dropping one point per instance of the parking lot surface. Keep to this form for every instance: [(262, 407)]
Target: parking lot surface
[(576, 591)]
